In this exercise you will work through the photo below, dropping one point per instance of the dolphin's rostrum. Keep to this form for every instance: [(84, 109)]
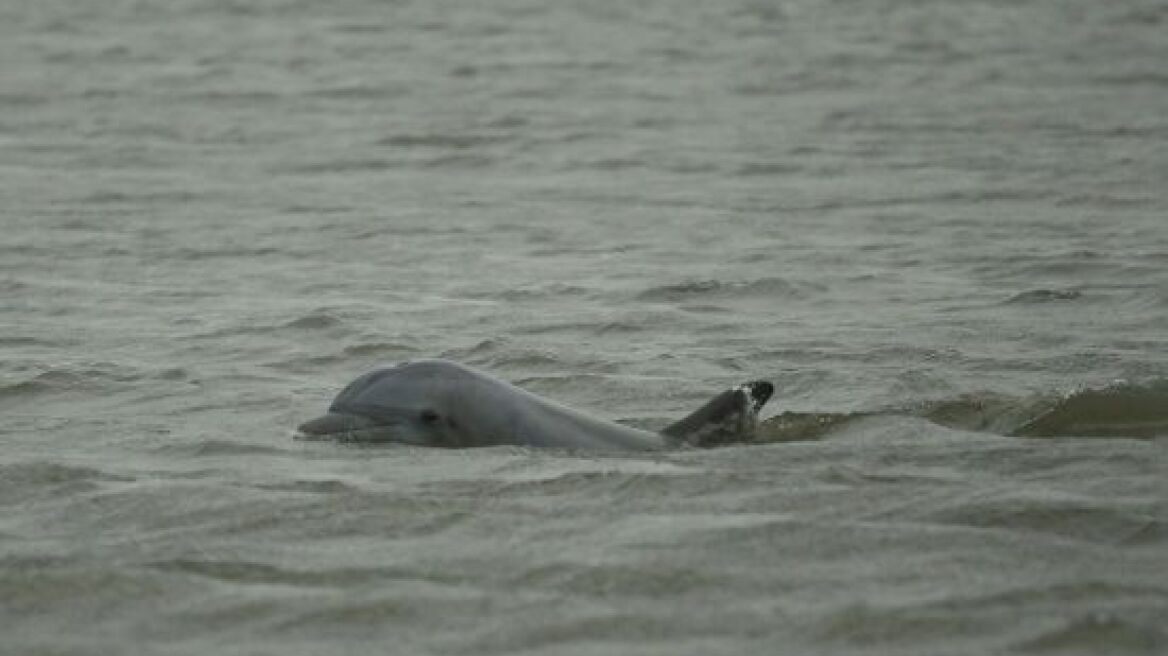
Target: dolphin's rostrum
[(441, 403)]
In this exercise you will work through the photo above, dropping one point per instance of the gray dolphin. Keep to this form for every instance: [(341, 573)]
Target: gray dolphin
[(445, 404)]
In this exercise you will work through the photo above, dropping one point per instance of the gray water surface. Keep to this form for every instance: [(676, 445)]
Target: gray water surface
[(941, 229)]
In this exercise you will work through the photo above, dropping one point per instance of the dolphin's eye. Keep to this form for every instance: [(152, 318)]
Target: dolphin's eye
[(428, 416)]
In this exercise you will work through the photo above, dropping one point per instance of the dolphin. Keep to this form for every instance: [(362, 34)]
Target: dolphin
[(439, 403)]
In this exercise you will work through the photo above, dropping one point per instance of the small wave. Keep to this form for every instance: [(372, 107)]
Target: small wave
[(441, 141), (636, 477), (340, 166), (220, 448), (378, 349), (27, 340), (528, 293), (1045, 296), (850, 475), (361, 353), (1143, 78), (318, 209), (355, 92), (85, 377), (197, 254), (527, 360), (571, 484), (983, 412), (1077, 263), (12, 285), (459, 161), (552, 365), (22, 481), (314, 321), (706, 289), (23, 388), (1125, 410), (328, 486), (1105, 201), (799, 426), (49, 473), (1023, 593), (769, 169), (501, 355), (613, 163), (1065, 517), (870, 624), (483, 348), (232, 97), (260, 573), (428, 597), (1121, 410), (1152, 532), (636, 324), (22, 100), (361, 28), (305, 363), (125, 197), (1099, 633), (173, 373), (661, 581)]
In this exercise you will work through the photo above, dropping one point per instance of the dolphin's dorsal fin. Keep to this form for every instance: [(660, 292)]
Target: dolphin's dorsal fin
[(729, 418)]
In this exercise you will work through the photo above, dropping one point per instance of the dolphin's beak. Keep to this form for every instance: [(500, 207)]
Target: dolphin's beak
[(346, 427), (334, 425)]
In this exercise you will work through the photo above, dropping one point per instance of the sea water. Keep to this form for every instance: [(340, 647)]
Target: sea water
[(940, 228)]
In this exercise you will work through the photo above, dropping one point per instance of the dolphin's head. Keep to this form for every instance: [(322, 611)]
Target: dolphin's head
[(406, 404)]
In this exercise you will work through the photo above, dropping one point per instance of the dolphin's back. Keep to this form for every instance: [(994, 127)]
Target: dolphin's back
[(556, 425), (511, 415)]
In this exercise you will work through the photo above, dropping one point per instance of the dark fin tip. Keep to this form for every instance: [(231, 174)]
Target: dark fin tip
[(760, 392)]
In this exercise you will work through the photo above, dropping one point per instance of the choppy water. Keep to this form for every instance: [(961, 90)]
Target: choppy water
[(940, 228)]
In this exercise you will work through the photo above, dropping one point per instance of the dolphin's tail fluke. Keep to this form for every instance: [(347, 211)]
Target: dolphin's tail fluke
[(729, 418)]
